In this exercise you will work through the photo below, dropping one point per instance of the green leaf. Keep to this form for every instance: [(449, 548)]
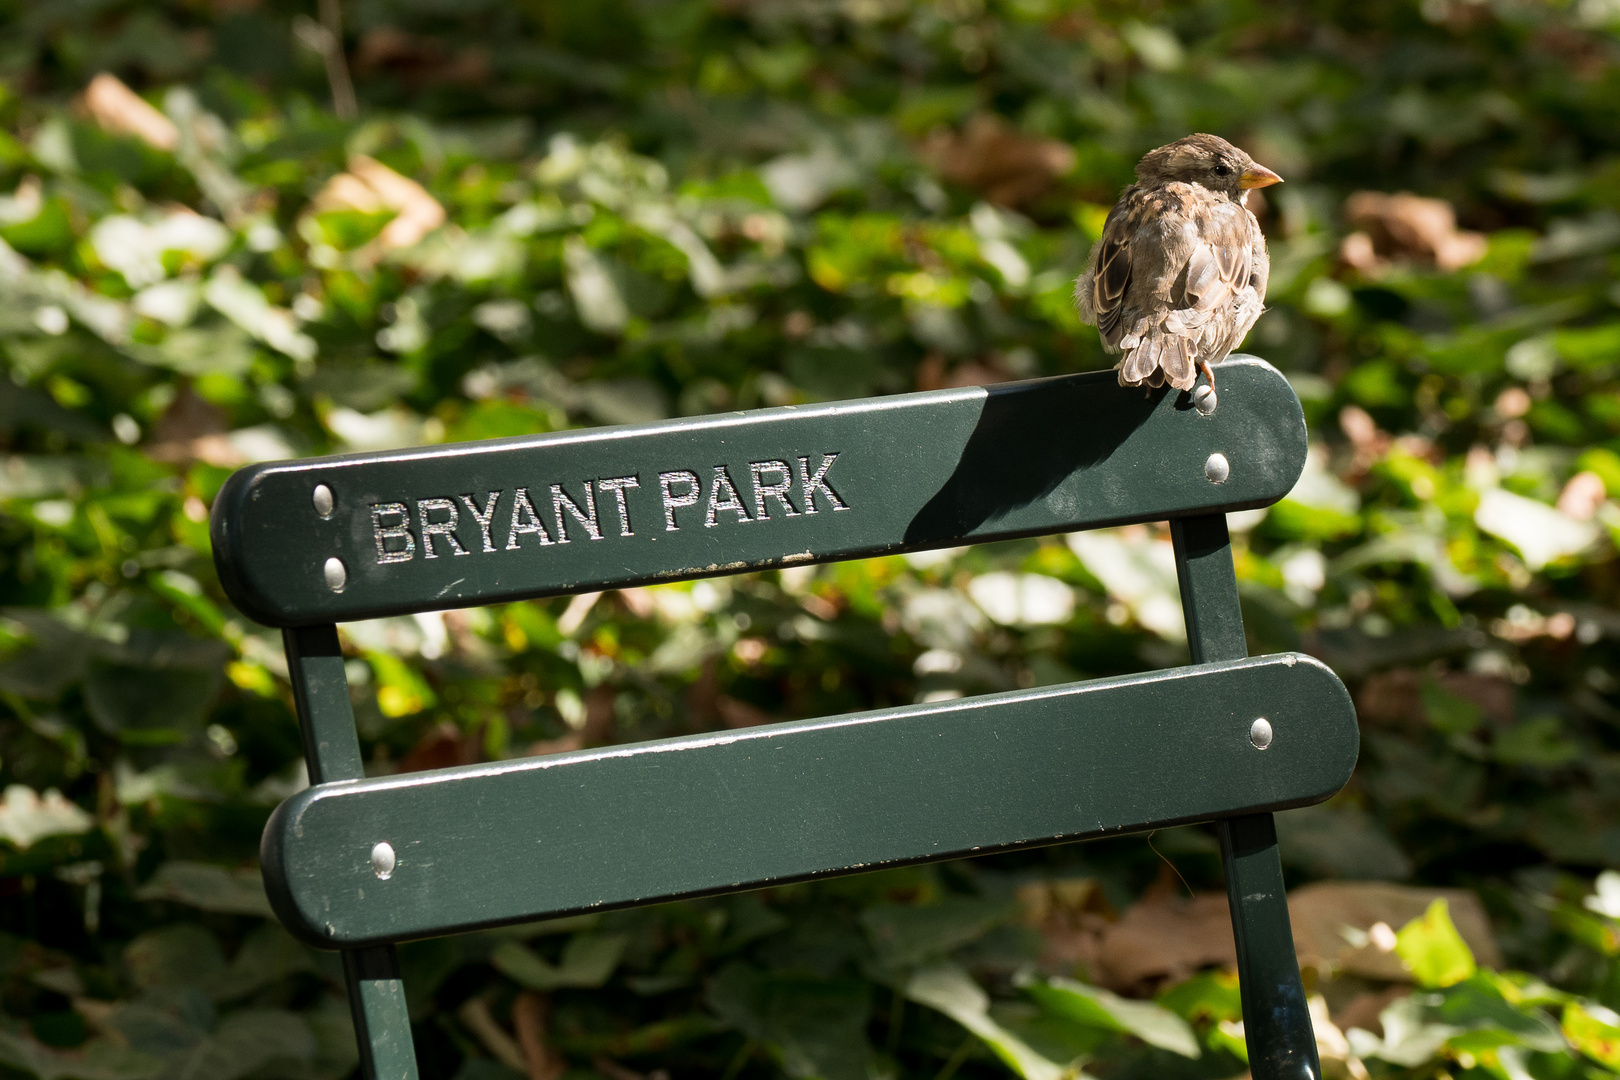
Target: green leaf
[(1594, 1031), (1449, 713), (1340, 841), (98, 1060), (147, 704), (1539, 741), (180, 955), (1209, 995), (1096, 1007), (587, 960), (952, 991), (248, 1041), (1478, 1005), (268, 955), (815, 1027), (1432, 950), (907, 934), (349, 229), (208, 887)]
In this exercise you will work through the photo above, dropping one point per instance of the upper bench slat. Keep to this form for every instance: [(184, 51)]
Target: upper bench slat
[(616, 507)]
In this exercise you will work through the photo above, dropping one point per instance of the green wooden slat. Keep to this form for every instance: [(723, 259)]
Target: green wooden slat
[(902, 473), (538, 837)]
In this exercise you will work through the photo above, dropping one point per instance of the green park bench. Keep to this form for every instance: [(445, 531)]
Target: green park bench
[(358, 864)]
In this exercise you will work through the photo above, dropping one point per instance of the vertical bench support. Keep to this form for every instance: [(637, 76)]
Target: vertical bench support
[(1276, 1020), (382, 1024)]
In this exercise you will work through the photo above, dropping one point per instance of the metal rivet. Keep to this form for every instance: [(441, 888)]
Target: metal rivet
[(337, 575), (1260, 733), (382, 860), (1217, 468), (323, 500), (1204, 399)]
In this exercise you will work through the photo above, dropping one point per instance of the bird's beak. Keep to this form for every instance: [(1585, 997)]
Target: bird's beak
[(1258, 176)]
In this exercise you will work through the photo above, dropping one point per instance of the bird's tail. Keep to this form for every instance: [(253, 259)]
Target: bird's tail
[(1166, 351)]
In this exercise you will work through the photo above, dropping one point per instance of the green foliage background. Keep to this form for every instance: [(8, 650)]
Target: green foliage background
[(671, 207)]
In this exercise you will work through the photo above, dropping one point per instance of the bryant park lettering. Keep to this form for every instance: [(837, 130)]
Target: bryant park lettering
[(539, 515)]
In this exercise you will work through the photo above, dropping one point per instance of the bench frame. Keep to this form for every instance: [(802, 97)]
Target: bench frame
[(1277, 1022)]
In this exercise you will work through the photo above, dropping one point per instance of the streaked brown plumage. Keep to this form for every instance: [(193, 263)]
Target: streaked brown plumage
[(1179, 275)]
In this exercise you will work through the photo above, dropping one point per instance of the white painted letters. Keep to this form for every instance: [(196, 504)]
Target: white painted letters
[(617, 485), (485, 518), (722, 486), (523, 509), (586, 517), (438, 522), (385, 533), (425, 508), (673, 502), (777, 490), (810, 484)]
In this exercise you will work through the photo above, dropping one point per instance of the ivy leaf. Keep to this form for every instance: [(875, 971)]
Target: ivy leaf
[(587, 960), (1096, 1007), (1432, 950), (1594, 1031), (814, 1026), (952, 991)]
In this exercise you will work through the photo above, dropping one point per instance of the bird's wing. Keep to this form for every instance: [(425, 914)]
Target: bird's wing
[(1220, 262), (1112, 266)]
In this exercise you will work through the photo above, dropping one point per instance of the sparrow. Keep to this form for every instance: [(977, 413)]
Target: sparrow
[(1179, 275)]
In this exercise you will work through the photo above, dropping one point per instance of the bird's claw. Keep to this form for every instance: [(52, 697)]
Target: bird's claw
[(1204, 399)]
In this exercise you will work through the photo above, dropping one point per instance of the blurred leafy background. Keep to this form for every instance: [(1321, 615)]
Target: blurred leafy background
[(238, 230)]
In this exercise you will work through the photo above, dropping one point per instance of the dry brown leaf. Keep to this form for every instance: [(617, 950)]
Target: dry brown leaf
[(1327, 914), (1003, 164), (416, 60), (608, 1069), (597, 729), (1363, 1010), (441, 747), (1395, 698), (370, 186), (638, 602), (530, 1013), (1163, 940), (1583, 495), (1406, 227), (120, 111), (1071, 915), (192, 429), (739, 714), (933, 375), (1370, 441)]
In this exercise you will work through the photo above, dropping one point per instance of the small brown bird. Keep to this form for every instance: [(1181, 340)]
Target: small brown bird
[(1179, 275)]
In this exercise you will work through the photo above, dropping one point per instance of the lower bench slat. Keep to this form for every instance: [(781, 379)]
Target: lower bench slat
[(534, 838)]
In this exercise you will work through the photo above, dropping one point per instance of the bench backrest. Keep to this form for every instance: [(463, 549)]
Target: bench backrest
[(358, 864), (578, 511)]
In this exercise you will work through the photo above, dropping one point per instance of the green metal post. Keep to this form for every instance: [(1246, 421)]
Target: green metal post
[(1276, 1019), (382, 1024)]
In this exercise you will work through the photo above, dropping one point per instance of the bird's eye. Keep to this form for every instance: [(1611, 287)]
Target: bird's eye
[(1222, 169)]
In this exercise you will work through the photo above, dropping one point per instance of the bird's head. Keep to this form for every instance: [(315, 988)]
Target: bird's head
[(1207, 160)]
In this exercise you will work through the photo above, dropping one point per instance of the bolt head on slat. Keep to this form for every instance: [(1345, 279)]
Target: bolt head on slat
[(324, 501), (1204, 399), (336, 574), (383, 860), (1260, 733), (1217, 468)]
